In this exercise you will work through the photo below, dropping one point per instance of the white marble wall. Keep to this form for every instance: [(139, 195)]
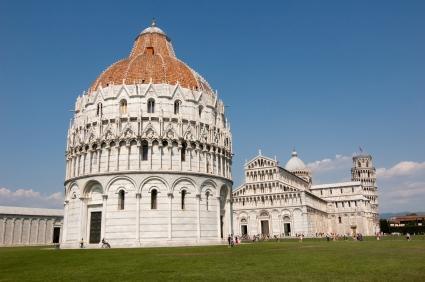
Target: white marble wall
[(27, 230)]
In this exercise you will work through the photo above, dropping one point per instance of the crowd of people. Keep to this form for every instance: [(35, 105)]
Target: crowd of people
[(234, 240)]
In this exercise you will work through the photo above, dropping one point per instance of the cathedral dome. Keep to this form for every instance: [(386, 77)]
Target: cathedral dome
[(295, 163), (152, 60)]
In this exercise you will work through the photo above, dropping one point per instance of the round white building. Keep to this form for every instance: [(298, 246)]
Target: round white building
[(148, 156)]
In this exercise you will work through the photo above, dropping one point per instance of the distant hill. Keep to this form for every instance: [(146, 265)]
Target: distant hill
[(387, 215)]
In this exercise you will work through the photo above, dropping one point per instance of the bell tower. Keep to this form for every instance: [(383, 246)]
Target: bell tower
[(364, 171)]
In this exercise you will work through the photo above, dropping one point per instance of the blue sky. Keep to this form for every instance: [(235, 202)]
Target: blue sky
[(323, 76)]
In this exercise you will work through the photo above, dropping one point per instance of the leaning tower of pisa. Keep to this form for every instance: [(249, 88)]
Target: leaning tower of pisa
[(364, 171)]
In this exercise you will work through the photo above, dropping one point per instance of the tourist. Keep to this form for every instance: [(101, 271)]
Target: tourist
[(105, 244), (408, 236), (229, 241), (81, 243)]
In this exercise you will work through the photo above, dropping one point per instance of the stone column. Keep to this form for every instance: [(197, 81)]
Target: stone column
[(82, 219), (189, 151), (198, 206), (117, 168), (72, 166), (161, 153), (219, 166), (223, 165), (218, 218), (108, 161), (138, 196), (65, 220), (38, 230), (104, 209), (22, 230), (170, 149), (198, 154), (12, 232), (206, 160), (139, 158), (229, 216), (179, 156), (128, 155), (29, 231), (90, 161), (150, 150), (78, 163), (99, 155), (84, 161), (170, 218), (3, 235), (46, 233)]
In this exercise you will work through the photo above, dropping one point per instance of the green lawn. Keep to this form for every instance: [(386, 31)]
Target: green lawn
[(369, 260)]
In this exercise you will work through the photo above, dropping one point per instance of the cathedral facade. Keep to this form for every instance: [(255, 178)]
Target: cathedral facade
[(282, 202), (148, 155)]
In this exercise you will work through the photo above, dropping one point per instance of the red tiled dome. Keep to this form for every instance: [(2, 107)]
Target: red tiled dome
[(152, 59)]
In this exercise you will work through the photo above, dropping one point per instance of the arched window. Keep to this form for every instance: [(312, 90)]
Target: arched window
[(207, 196), (183, 152), (339, 219), (177, 107), (121, 199), (183, 203), (99, 109), (200, 108), (151, 106), (154, 196), (123, 107), (145, 151)]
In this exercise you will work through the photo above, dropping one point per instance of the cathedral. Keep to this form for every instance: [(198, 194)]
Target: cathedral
[(148, 154), (282, 202)]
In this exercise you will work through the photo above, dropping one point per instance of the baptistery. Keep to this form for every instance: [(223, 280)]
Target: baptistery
[(148, 155)]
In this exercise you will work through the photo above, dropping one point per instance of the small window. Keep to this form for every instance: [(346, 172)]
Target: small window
[(352, 189), (177, 107), (321, 192), (183, 203), (99, 109), (200, 111), (183, 152), (339, 219), (150, 50), (207, 196), (154, 196), (123, 107), (151, 106), (121, 199), (145, 151), (341, 190), (330, 191)]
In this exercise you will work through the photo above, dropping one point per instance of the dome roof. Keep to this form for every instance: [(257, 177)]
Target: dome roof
[(153, 29), (295, 163), (152, 60)]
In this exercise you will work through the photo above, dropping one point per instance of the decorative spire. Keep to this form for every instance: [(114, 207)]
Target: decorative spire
[(294, 153), (153, 24), (259, 152)]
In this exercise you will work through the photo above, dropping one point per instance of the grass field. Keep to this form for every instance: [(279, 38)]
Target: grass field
[(370, 260)]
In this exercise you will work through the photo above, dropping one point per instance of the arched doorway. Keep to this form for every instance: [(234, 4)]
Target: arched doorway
[(264, 223), (94, 212), (286, 225)]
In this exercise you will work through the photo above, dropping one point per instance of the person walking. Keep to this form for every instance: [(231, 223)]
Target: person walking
[(81, 243), (229, 240)]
